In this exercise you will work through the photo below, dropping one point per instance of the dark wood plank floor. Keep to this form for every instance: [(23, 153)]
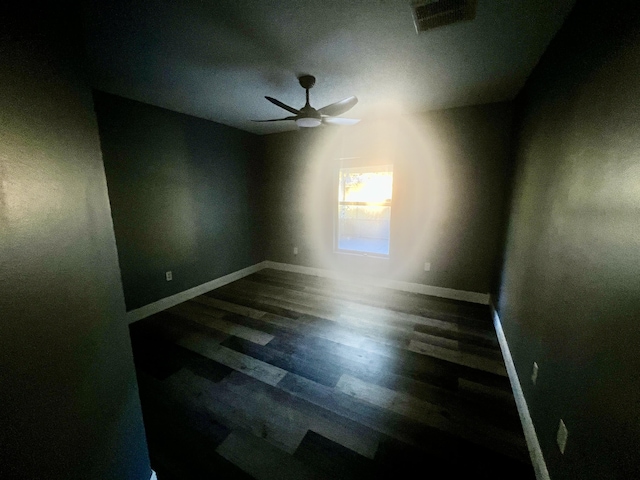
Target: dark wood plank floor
[(288, 376)]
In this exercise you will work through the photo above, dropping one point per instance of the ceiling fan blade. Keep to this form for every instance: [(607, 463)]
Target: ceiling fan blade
[(339, 121), (283, 105), (338, 107), (275, 119)]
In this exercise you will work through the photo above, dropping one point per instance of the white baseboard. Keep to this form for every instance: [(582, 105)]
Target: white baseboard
[(474, 297), (537, 459), (173, 300)]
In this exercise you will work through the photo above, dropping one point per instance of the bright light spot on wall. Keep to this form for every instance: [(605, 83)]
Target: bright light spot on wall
[(419, 187)]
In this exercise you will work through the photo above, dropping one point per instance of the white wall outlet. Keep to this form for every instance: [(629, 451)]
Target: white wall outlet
[(295, 250), (563, 433), (427, 266), (534, 373), (169, 275)]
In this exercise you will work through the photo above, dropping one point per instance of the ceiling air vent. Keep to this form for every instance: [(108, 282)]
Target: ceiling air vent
[(428, 14)]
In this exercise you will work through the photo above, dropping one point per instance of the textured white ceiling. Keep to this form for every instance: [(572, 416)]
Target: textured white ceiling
[(218, 59)]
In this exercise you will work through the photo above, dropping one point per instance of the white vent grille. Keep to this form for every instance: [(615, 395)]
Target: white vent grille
[(428, 14)]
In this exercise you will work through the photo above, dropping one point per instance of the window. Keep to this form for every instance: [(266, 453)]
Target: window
[(364, 209)]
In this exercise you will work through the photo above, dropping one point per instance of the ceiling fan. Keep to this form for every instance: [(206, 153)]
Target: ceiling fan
[(308, 116)]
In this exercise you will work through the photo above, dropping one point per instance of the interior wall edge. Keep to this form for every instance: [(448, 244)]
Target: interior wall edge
[(173, 300), (450, 293), (530, 435)]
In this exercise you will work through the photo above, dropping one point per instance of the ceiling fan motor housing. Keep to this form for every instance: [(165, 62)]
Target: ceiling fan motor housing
[(309, 112), (307, 81), (309, 117)]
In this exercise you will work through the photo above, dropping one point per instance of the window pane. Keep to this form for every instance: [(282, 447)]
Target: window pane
[(363, 223), (364, 228), (366, 185)]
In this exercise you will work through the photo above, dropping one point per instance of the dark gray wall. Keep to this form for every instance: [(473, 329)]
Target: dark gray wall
[(570, 293), (450, 182), (69, 406), (183, 197)]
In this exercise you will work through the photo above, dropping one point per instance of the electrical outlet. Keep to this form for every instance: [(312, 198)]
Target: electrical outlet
[(563, 433), (169, 275), (534, 374), (427, 266), (295, 250)]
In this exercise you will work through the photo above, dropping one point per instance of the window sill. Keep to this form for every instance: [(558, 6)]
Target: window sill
[(351, 253)]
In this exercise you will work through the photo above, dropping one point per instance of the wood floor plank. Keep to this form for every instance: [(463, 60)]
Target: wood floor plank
[(204, 317), (169, 410), (374, 322), (418, 434), (341, 310), (318, 327), (263, 461), (386, 298), (488, 341), (395, 401), (177, 357), (154, 355), (276, 425), (433, 415), (229, 306), (299, 364), (250, 301), (471, 389), (343, 431), (362, 362), (396, 459), (323, 362), (243, 363), (458, 332), (408, 367), (267, 412), (284, 375), (458, 345), (334, 460), (288, 300), (172, 327), (182, 436), (403, 361), (346, 345), (351, 337), (461, 358)]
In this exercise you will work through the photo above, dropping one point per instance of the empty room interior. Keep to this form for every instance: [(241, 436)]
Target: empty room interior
[(320, 239)]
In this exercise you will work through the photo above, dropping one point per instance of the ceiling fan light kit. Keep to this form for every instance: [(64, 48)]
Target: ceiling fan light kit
[(309, 117), (308, 122)]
